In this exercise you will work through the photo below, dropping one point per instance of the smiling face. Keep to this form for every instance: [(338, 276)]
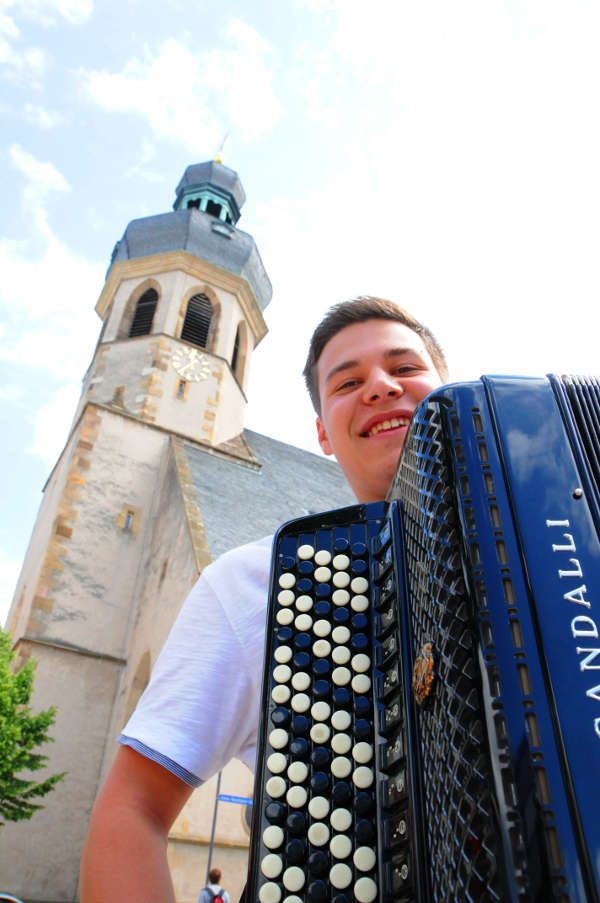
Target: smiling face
[(371, 377)]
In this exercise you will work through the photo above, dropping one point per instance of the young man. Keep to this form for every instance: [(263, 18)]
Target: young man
[(369, 365), (213, 889)]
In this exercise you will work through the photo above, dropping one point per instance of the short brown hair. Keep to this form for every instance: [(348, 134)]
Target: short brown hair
[(214, 876), (358, 310)]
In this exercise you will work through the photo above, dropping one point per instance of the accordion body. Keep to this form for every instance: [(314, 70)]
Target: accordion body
[(430, 725)]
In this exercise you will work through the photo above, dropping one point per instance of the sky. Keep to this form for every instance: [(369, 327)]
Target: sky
[(445, 155)]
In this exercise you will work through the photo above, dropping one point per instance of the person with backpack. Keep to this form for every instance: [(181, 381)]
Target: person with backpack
[(213, 892)]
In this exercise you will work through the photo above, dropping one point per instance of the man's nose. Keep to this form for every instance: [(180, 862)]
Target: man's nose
[(381, 385)]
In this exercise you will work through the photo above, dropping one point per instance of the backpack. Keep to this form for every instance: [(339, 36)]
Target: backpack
[(216, 897)]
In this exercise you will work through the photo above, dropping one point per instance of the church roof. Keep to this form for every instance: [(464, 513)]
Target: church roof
[(200, 234), (213, 173), (252, 501)]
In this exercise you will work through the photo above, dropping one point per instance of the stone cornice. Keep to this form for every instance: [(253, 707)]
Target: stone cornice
[(194, 266)]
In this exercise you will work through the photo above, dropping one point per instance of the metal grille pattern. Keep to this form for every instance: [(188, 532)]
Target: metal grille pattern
[(583, 394), (197, 321), (144, 314), (461, 825)]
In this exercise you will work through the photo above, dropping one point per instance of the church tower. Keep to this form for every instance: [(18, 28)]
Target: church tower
[(157, 477)]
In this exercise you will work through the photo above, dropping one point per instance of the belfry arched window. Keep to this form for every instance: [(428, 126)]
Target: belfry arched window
[(236, 352), (141, 323), (196, 324)]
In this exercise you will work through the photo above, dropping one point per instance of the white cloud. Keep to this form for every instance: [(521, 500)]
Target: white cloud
[(40, 116), (41, 179), (49, 12), (196, 96), (53, 421)]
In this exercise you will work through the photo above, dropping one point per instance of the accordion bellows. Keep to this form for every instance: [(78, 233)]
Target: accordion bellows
[(431, 703)]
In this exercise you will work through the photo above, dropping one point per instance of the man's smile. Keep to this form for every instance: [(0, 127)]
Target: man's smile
[(385, 422)]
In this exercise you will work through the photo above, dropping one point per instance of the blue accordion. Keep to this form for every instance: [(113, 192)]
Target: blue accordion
[(430, 723)]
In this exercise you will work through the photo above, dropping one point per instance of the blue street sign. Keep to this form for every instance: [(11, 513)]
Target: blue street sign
[(227, 798)]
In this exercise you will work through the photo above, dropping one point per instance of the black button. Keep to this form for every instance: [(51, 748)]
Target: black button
[(320, 757), (301, 660), (281, 716), (296, 823), (321, 688), (295, 851), (323, 590), (318, 892), (360, 641), (300, 725), (359, 566), (359, 621), (299, 748), (362, 729), (304, 585), (359, 549), (302, 641), (318, 864), (284, 634), (319, 782), (321, 666), (341, 615), (341, 793), (364, 804), (275, 813), (364, 832), (340, 545), (306, 567), (288, 563), (362, 706), (341, 898), (322, 608), (342, 697)]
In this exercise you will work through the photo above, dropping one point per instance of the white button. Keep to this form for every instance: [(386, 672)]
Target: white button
[(319, 807), (301, 680), (293, 878), (285, 597), (276, 763), (275, 787), (364, 859), (318, 834), (340, 655), (304, 603), (284, 617), (341, 767), (280, 694), (340, 635), (363, 777), (359, 585), (340, 875), (303, 622), (361, 662), (341, 579), (319, 733), (341, 819), (322, 557), (273, 837), (292, 898), (305, 552), (278, 738), (282, 654), (359, 603), (341, 562), (361, 683), (300, 702), (340, 597), (341, 720), (322, 648), (296, 796), (286, 581), (297, 772), (269, 893), (365, 890), (341, 676), (282, 673), (320, 711), (322, 627), (340, 846), (362, 753), (340, 744), (322, 575), (271, 865)]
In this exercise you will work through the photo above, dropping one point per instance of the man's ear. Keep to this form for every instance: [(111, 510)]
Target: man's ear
[(322, 437)]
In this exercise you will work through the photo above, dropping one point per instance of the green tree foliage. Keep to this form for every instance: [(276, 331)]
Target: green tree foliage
[(20, 733)]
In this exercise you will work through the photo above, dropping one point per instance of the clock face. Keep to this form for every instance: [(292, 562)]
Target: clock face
[(190, 364)]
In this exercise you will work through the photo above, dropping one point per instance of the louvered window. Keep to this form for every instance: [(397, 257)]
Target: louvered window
[(236, 351), (197, 321), (144, 314)]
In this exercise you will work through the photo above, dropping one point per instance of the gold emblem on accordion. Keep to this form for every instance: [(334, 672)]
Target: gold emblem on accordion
[(423, 674)]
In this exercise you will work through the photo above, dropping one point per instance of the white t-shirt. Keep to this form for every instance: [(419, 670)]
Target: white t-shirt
[(201, 706)]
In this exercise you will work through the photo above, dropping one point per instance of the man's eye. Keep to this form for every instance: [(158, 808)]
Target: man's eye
[(347, 384)]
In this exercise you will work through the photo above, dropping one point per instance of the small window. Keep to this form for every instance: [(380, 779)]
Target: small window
[(197, 321), (129, 517), (213, 209), (181, 388), (194, 204), (236, 351), (129, 520), (144, 314)]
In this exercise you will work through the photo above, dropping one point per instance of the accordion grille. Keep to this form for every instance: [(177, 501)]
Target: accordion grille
[(461, 827), (583, 398)]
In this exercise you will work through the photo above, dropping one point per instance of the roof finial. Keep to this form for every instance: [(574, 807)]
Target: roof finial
[(219, 154)]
